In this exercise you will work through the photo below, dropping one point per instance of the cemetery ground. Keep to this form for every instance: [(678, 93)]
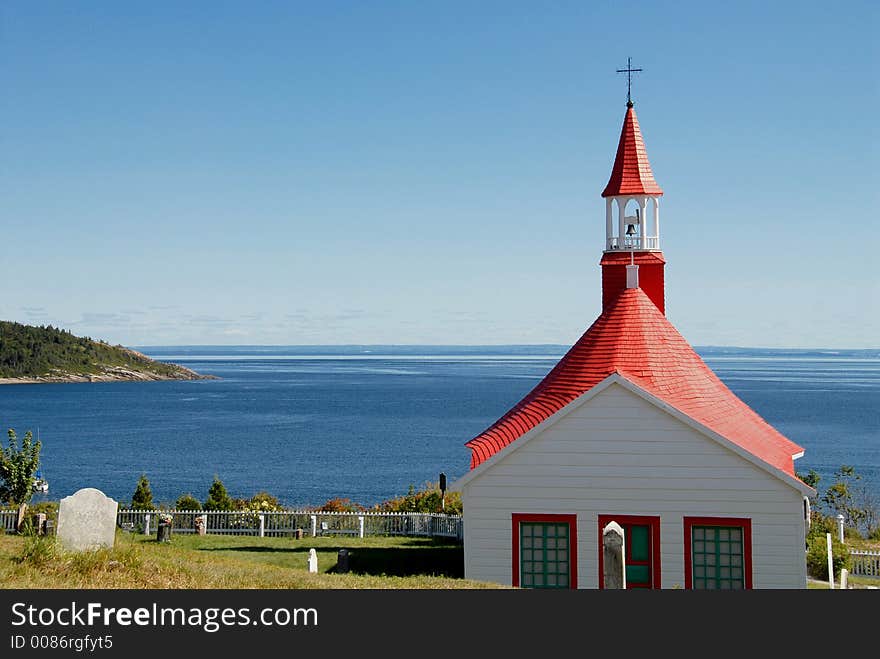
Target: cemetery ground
[(220, 562)]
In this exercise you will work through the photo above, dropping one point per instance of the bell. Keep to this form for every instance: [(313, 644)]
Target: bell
[(631, 230)]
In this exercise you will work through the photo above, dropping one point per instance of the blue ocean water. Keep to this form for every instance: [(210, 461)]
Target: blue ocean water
[(308, 424)]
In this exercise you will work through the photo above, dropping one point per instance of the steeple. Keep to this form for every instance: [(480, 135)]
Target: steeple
[(632, 217)]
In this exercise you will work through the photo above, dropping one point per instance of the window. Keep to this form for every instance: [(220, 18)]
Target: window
[(544, 551), (642, 557), (718, 553)]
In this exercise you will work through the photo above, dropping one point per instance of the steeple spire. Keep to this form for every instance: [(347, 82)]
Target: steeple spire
[(632, 256)]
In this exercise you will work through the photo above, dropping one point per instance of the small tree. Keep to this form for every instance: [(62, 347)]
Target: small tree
[(187, 502), (18, 464), (846, 498), (142, 499), (218, 497)]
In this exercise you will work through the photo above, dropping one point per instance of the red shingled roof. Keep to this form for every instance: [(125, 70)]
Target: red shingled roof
[(633, 338), (631, 173)]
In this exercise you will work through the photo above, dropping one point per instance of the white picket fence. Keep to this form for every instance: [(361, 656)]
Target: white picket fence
[(288, 523), (7, 520), (285, 523), (865, 563)]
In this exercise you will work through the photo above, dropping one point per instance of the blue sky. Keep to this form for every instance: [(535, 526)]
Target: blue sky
[(430, 172)]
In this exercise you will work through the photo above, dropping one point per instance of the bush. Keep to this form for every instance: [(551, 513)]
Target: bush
[(817, 556), (48, 508), (340, 505), (187, 502), (265, 501), (426, 500)]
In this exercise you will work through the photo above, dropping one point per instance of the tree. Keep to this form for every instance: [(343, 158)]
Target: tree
[(840, 497), (187, 502), (142, 499), (218, 497), (18, 464)]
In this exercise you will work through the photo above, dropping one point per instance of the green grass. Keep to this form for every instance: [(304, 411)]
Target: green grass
[(217, 561), (193, 562)]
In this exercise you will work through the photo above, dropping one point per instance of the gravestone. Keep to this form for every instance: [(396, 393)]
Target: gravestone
[(38, 522), (87, 520), (313, 561), (342, 561), (613, 561)]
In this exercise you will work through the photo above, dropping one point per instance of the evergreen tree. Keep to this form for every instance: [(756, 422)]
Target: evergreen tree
[(218, 497), (187, 502), (142, 499)]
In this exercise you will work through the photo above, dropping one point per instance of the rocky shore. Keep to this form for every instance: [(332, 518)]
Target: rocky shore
[(110, 374)]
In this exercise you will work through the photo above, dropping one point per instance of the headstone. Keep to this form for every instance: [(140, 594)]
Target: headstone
[(87, 520), (342, 561), (313, 561), (613, 561), (201, 524), (843, 579), (38, 523), (298, 534), (164, 528)]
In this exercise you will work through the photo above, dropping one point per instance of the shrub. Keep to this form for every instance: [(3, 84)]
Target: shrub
[(426, 500), (48, 508), (187, 502), (340, 505), (817, 556), (265, 501)]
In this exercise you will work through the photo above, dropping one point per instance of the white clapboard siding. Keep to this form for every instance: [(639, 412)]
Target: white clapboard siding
[(617, 453)]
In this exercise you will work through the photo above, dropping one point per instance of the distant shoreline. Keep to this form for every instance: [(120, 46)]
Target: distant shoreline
[(115, 375)]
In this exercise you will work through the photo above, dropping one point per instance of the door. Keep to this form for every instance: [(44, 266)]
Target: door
[(642, 549)]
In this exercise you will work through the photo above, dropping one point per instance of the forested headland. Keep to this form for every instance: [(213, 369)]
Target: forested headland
[(49, 354)]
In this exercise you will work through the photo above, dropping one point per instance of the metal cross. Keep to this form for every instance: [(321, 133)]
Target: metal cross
[(628, 71)]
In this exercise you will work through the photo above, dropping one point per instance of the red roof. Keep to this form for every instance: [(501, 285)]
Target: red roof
[(633, 338), (631, 173)]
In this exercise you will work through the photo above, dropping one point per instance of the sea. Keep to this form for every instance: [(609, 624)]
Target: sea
[(366, 423)]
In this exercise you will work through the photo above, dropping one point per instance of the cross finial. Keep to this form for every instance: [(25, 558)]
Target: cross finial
[(628, 71)]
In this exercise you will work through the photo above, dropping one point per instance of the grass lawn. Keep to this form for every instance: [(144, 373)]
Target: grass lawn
[(216, 561), (220, 561)]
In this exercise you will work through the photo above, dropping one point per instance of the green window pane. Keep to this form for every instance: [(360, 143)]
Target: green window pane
[(717, 557), (544, 555), (640, 543), (638, 575)]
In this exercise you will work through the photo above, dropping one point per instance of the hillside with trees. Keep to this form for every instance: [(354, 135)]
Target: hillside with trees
[(50, 354)]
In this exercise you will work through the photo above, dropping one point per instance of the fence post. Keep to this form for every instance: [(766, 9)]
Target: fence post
[(360, 526), (262, 525), (147, 524), (830, 561), (840, 519), (843, 575), (314, 520)]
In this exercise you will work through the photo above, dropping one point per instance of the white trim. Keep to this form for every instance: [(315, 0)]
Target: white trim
[(617, 378)]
